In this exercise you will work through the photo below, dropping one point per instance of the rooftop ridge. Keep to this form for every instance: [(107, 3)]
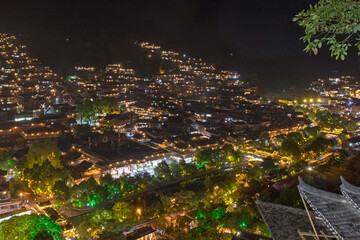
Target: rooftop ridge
[(338, 214), (351, 193), (297, 210), (284, 222), (321, 193), (348, 187)]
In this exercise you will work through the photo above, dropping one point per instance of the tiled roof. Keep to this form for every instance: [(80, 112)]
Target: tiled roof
[(337, 212), (283, 222), (351, 192)]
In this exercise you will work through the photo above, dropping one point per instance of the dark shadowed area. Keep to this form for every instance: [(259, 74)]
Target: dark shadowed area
[(256, 37)]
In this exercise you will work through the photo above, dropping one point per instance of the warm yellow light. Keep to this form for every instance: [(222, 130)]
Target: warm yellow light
[(311, 100), (304, 100)]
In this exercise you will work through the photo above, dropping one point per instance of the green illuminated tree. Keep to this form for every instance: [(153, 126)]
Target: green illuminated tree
[(61, 191), (42, 178), (28, 227), (40, 151), (105, 106), (100, 224), (124, 212), (332, 22), (162, 171), (110, 186), (104, 219), (175, 169), (229, 155), (155, 210), (142, 180), (126, 184), (166, 202), (187, 168), (89, 109), (87, 194), (185, 200), (208, 158), (16, 186), (6, 161), (208, 221), (86, 111)]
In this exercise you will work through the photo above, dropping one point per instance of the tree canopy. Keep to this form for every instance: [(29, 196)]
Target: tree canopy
[(42, 178), (90, 109), (124, 211), (87, 193), (39, 152), (6, 161), (28, 227), (162, 171), (332, 22), (100, 224)]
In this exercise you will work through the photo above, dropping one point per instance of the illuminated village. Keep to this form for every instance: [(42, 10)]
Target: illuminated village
[(191, 152)]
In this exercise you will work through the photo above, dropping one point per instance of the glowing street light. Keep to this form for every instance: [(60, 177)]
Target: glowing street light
[(138, 211)]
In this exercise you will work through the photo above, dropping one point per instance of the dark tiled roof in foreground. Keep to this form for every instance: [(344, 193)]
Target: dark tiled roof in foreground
[(351, 192), (337, 212), (283, 222)]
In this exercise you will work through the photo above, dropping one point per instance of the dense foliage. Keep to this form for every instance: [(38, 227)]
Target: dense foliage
[(42, 168), (42, 178), (100, 222), (223, 202), (6, 161), (332, 22), (210, 158), (41, 151), (90, 109), (91, 193), (28, 227)]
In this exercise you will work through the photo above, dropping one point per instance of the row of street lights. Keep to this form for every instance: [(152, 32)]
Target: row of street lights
[(311, 100)]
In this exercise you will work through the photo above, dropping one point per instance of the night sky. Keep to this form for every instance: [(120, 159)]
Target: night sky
[(256, 37)]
